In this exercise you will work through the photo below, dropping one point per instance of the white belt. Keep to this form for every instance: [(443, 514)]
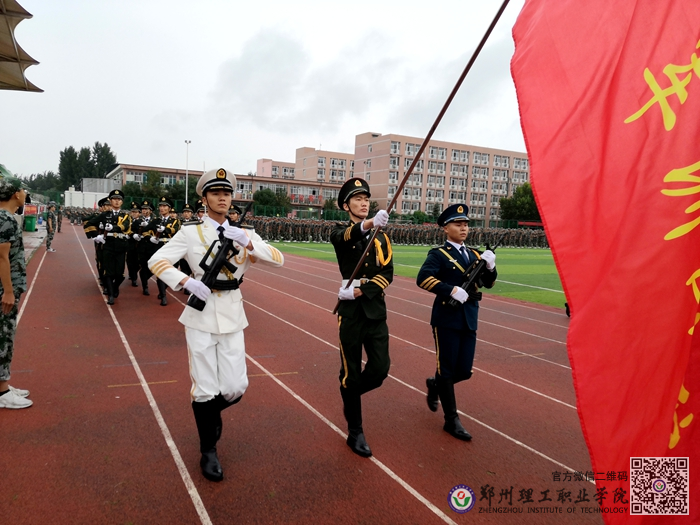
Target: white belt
[(356, 283), (118, 235)]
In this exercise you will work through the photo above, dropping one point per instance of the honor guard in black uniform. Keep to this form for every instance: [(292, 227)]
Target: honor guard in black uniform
[(200, 210), (96, 234), (362, 310), (142, 231), (165, 228), (132, 254), (234, 214), (187, 217), (454, 327), (114, 227)]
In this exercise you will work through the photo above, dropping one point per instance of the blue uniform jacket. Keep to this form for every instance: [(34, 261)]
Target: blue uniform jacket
[(442, 270)]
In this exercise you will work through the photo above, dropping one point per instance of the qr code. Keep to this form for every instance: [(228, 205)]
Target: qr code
[(658, 486)]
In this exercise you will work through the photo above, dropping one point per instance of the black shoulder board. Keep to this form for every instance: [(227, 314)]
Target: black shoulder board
[(247, 227), (192, 223)]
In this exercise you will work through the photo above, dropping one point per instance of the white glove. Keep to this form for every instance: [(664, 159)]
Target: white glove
[(99, 239), (346, 294), (490, 259), (197, 288), (237, 235), (161, 228), (381, 219), (108, 227), (459, 294), (136, 237), (154, 240)]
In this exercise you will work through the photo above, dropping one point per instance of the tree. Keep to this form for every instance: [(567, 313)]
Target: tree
[(103, 159), (133, 189), (435, 213), (330, 204), (265, 197), (418, 217), (68, 167), (177, 191), (85, 167), (283, 200), (152, 187), (521, 206), (373, 208)]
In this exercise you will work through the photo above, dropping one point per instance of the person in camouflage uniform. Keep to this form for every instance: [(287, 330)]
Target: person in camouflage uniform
[(59, 218), (50, 226), (13, 282)]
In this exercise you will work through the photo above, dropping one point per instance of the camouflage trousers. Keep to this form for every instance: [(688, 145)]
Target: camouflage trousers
[(8, 327), (49, 238)]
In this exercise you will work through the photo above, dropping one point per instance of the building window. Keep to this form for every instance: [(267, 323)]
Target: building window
[(369, 148), (395, 147), (393, 176), (322, 161), (321, 173)]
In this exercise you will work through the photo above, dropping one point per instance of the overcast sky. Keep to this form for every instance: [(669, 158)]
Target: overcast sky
[(249, 80)]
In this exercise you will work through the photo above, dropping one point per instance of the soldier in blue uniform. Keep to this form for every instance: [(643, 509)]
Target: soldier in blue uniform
[(454, 328), (362, 310)]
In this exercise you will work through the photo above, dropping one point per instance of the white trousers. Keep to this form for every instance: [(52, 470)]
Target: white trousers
[(217, 364)]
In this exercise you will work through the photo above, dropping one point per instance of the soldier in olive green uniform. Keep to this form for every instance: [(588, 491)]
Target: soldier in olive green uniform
[(362, 310), (50, 226), (13, 282), (96, 234)]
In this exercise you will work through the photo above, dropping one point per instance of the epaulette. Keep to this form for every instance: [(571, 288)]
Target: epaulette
[(192, 223), (247, 226)]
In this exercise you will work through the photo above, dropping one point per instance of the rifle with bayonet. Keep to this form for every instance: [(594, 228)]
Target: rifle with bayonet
[(472, 276), (220, 261)]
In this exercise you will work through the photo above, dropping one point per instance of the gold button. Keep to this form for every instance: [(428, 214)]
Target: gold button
[(366, 264), (219, 295)]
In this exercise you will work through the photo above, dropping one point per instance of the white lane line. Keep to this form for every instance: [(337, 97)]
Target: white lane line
[(404, 300), (521, 354), (505, 436), (179, 463), (430, 350), (374, 460), (31, 287), (302, 261)]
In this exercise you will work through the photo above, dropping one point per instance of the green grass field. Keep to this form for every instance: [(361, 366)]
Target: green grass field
[(527, 274)]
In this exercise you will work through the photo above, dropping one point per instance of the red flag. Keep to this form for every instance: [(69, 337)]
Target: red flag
[(609, 95)]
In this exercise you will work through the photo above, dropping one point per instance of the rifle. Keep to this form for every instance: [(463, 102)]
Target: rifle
[(219, 262), (472, 276)]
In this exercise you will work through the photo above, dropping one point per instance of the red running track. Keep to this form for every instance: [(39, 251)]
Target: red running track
[(111, 437)]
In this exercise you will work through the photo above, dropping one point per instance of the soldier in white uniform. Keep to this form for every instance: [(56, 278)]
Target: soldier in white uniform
[(215, 335)]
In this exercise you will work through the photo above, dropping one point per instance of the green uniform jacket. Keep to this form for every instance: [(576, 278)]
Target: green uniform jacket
[(377, 271)]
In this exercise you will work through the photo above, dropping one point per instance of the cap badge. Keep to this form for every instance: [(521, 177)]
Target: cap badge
[(460, 210), (221, 173), (358, 183)]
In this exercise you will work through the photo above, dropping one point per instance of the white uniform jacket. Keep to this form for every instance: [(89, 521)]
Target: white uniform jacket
[(223, 312)]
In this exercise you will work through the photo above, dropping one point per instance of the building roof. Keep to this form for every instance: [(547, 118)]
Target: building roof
[(13, 59)]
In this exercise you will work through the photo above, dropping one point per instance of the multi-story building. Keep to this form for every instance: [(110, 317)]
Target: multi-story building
[(124, 173), (275, 169), (446, 173)]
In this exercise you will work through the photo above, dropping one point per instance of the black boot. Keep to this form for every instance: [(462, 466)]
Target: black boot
[(109, 287), (352, 408), (144, 282), (115, 286), (208, 419), (453, 425), (162, 287), (133, 282), (432, 397)]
